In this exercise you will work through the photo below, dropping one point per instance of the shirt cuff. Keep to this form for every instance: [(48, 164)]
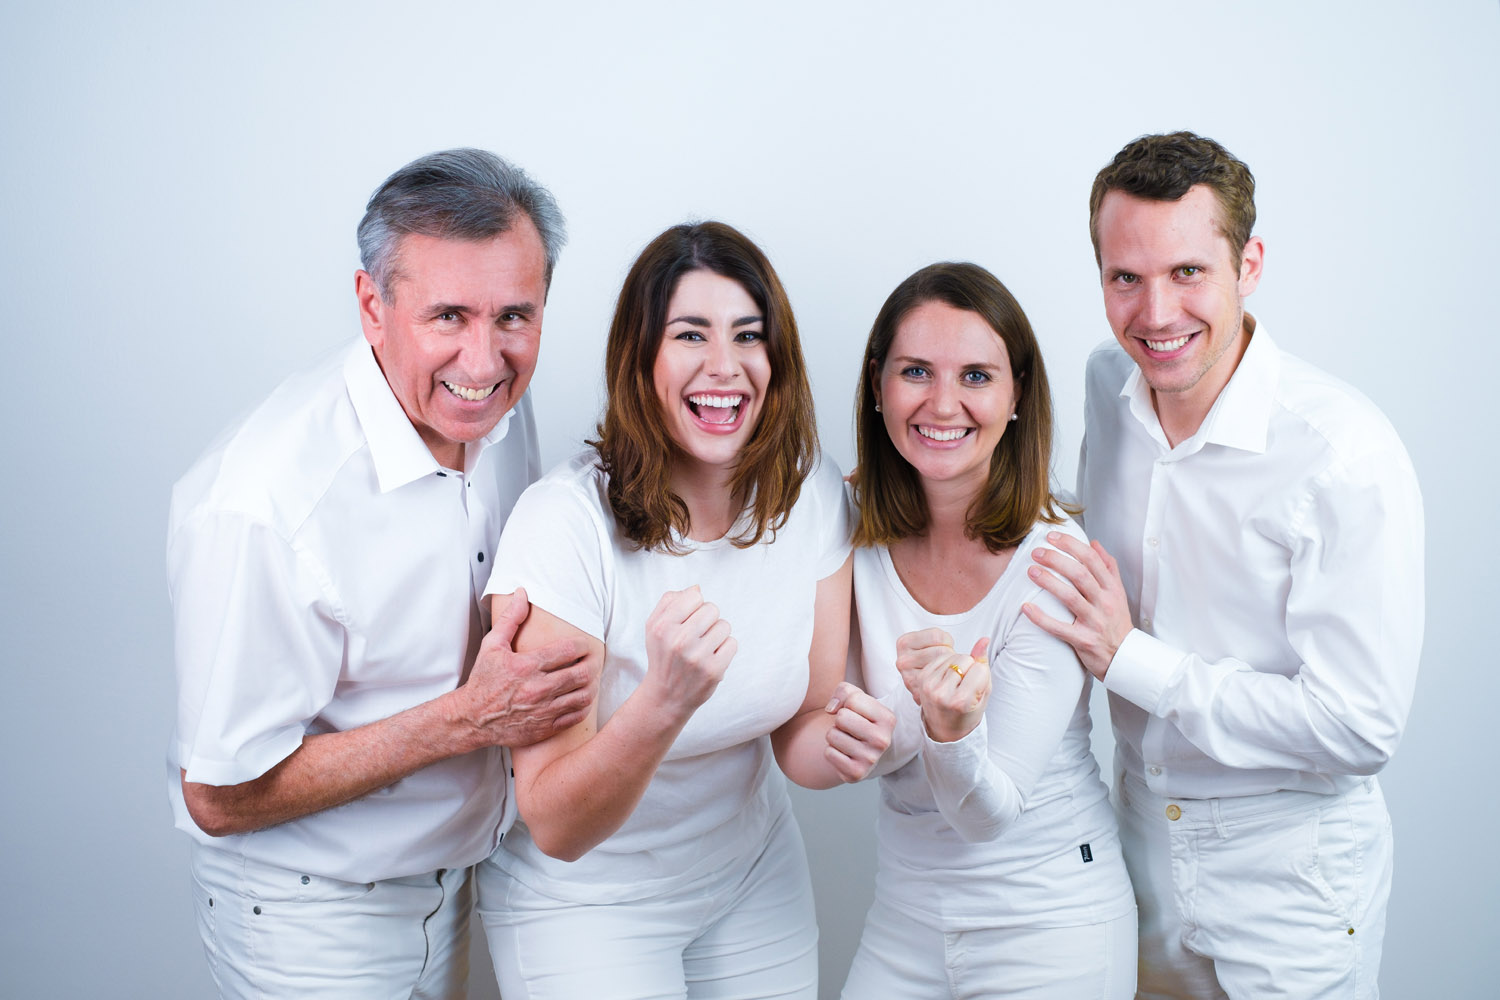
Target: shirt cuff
[(1142, 669), (972, 747)]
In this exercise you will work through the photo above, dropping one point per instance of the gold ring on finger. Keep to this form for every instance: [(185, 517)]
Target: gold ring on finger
[(954, 667)]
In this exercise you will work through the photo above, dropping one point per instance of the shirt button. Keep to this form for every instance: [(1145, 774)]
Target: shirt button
[(1151, 542), (1146, 623), (1173, 812), (481, 557), (1155, 770), (305, 880)]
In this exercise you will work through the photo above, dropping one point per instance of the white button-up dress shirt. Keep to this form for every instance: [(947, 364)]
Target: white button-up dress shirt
[(1273, 563), (324, 571)]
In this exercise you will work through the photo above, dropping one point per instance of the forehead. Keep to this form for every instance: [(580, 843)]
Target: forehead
[(1133, 229), (701, 287), (511, 263), (937, 331)]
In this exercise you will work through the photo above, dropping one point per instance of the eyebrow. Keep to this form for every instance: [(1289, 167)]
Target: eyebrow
[(525, 308), (907, 359), (700, 321)]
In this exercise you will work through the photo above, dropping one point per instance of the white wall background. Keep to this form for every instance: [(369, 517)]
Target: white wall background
[(179, 186)]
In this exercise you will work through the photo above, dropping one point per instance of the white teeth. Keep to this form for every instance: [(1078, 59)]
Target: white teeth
[(952, 434), (472, 395), (706, 399), (1166, 345)]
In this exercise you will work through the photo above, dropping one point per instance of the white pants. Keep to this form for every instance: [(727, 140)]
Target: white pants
[(902, 959), (1281, 894), (275, 933), (749, 931)]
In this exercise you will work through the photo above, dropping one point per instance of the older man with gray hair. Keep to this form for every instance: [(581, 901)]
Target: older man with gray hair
[(342, 722)]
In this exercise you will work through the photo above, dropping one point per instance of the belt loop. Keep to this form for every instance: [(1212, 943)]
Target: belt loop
[(1218, 819)]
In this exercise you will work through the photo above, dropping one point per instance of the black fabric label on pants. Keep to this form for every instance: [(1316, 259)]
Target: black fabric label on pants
[(1088, 855)]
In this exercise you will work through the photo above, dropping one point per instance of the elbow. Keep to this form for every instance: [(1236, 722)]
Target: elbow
[(559, 844), (1367, 759), (208, 814), (980, 827)]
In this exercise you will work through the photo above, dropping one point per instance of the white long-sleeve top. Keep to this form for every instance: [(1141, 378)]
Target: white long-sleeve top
[(1273, 563), (1010, 825)]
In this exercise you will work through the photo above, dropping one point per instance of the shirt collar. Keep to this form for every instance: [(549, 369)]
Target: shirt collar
[(1241, 416), (399, 454)]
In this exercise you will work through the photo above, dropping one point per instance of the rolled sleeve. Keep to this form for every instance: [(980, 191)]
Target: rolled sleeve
[(259, 648)]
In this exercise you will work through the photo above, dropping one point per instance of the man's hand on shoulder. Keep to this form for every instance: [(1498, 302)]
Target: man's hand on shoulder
[(1086, 579), (516, 699)]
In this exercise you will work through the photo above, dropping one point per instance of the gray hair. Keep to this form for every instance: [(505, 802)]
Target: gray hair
[(457, 194)]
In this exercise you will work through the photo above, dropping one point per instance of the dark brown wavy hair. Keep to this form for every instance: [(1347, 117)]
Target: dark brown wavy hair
[(636, 449), (1018, 492), (1165, 167)]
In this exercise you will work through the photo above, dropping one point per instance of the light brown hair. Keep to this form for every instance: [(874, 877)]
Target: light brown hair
[(1018, 492), (636, 449)]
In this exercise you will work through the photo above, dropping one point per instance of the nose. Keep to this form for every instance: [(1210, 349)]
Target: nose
[(722, 362), (945, 399), (482, 353), (1158, 306)]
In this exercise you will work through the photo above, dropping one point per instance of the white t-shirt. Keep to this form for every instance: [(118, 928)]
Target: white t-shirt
[(323, 570), (1010, 825), (717, 793), (1273, 564)]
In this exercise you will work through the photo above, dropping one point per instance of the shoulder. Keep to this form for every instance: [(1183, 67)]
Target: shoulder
[(277, 462), (1108, 366), (1037, 537), (825, 484), (1318, 410)]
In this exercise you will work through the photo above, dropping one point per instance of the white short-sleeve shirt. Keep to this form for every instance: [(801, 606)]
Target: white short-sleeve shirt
[(322, 570), (714, 797)]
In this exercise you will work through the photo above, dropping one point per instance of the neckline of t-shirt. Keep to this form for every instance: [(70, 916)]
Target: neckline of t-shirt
[(888, 566)]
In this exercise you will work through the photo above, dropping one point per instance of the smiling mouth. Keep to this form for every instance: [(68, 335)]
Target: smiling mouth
[(1167, 346), (712, 408), (944, 434), (469, 394)]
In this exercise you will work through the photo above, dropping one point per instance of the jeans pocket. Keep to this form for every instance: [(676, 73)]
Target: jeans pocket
[(273, 884), (1338, 858)]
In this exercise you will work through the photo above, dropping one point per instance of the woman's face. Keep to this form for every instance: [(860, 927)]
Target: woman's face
[(712, 368), (946, 393)]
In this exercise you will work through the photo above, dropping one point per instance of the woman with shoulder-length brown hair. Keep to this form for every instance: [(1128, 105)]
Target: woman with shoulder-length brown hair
[(656, 853), (1000, 865)]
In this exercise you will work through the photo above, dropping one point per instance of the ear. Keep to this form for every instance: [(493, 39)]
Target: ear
[(875, 379), (371, 308), (1251, 262)]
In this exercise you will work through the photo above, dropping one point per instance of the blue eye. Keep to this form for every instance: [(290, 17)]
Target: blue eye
[(976, 377), (914, 371)]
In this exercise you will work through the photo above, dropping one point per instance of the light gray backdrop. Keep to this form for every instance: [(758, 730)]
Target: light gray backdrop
[(179, 186)]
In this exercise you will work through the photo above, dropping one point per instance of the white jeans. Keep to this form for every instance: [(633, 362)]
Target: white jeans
[(749, 931), (275, 933), (902, 959), (1281, 894)]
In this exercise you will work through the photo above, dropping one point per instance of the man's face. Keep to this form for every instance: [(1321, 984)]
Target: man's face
[(1173, 294), (458, 337)]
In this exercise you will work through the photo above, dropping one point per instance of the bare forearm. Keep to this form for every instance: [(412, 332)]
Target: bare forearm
[(575, 801), (801, 747), (330, 769)]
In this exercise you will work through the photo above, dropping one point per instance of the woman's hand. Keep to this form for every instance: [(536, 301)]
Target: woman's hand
[(916, 651), (951, 688), (688, 648), (955, 691), (860, 733)]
